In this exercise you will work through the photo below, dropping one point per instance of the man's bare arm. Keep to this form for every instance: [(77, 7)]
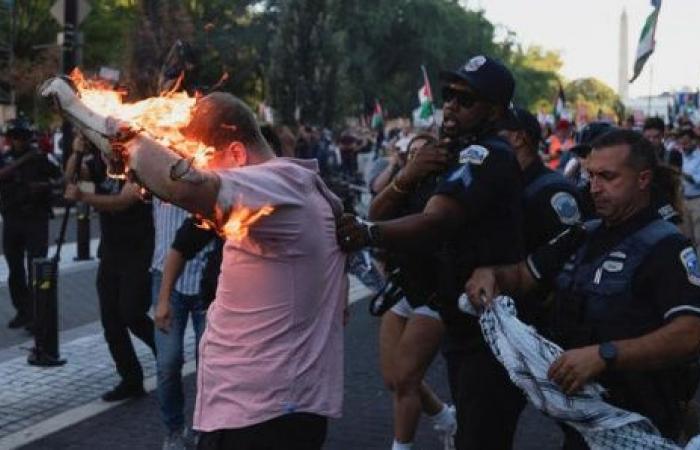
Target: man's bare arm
[(172, 178), (676, 341), (442, 217)]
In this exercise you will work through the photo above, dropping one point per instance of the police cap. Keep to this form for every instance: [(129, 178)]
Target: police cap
[(487, 77), (521, 119)]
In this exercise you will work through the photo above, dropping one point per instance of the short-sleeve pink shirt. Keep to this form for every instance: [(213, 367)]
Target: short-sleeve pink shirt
[(273, 342)]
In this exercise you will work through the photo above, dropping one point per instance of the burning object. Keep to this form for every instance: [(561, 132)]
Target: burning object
[(145, 137)]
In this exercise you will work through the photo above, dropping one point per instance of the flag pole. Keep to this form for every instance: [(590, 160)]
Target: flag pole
[(651, 82)]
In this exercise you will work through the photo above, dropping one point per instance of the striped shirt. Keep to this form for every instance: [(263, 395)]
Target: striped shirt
[(167, 218)]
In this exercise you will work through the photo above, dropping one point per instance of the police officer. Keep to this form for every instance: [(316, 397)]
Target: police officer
[(26, 181), (627, 291), (550, 201), (666, 201), (473, 218)]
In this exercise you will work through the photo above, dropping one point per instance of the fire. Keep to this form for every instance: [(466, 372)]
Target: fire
[(241, 219), (238, 224), (160, 117)]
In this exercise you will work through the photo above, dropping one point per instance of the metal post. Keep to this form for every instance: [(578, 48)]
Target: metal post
[(45, 280)]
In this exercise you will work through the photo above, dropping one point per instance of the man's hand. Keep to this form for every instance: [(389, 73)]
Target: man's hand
[(352, 234), (163, 315), (481, 287), (73, 193), (428, 159), (574, 368)]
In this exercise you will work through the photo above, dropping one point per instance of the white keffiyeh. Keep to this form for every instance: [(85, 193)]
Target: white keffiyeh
[(527, 357)]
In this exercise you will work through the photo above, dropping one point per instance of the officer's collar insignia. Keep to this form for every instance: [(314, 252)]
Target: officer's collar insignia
[(474, 64), (689, 259), (565, 206), (620, 255), (474, 154), (613, 266)]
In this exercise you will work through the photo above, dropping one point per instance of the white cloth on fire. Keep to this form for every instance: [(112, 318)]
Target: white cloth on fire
[(527, 357)]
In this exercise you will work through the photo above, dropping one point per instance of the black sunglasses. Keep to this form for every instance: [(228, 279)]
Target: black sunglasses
[(464, 99)]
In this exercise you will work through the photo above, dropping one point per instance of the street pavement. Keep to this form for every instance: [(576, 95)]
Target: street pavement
[(59, 408)]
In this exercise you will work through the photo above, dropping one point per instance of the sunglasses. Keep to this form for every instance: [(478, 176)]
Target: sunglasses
[(464, 99)]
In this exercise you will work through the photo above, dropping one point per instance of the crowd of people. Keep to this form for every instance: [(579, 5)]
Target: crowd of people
[(593, 234)]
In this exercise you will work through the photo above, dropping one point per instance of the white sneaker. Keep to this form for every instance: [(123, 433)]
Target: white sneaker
[(174, 441), (446, 434)]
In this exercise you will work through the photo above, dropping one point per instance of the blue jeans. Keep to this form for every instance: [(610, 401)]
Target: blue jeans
[(170, 355)]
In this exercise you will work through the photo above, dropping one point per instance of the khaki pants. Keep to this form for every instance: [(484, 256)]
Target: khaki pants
[(691, 221)]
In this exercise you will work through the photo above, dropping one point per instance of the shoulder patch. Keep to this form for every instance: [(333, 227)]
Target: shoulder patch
[(566, 207), (474, 154), (667, 212), (474, 64), (689, 259)]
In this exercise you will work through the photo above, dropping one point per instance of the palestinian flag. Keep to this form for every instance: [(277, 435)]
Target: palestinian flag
[(646, 44), (377, 116), (425, 98)]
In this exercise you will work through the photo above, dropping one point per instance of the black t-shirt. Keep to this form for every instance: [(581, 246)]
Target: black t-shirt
[(667, 281), (488, 186), (17, 196), (189, 240), (123, 234)]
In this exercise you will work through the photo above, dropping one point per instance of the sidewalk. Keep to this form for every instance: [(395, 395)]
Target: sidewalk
[(60, 408)]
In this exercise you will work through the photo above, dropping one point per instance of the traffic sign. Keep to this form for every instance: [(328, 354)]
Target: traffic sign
[(58, 11)]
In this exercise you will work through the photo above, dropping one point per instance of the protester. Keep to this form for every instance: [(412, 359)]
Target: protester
[(385, 168), (691, 184), (559, 144), (626, 309), (26, 181), (473, 218), (176, 298), (125, 251), (412, 329), (271, 364), (654, 130)]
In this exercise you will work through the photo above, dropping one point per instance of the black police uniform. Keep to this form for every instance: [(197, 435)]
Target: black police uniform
[(123, 277), (25, 208), (487, 184), (623, 282), (550, 205)]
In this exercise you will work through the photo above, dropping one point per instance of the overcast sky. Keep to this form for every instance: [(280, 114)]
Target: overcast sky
[(586, 32)]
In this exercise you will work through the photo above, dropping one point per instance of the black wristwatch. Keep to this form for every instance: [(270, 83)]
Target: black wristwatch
[(608, 351)]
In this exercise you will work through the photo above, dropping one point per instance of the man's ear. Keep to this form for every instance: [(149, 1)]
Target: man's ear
[(644, 178), (237, 152)]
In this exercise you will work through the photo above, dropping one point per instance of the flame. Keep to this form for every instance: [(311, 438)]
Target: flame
[(238, 224), (242, 217), (160, 117)]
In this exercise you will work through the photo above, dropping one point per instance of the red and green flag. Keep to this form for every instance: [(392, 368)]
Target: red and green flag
[(377, 115), (425, 98), (647, 40)]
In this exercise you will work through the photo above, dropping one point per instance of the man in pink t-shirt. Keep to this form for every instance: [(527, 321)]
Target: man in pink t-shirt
[(270, 367)]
